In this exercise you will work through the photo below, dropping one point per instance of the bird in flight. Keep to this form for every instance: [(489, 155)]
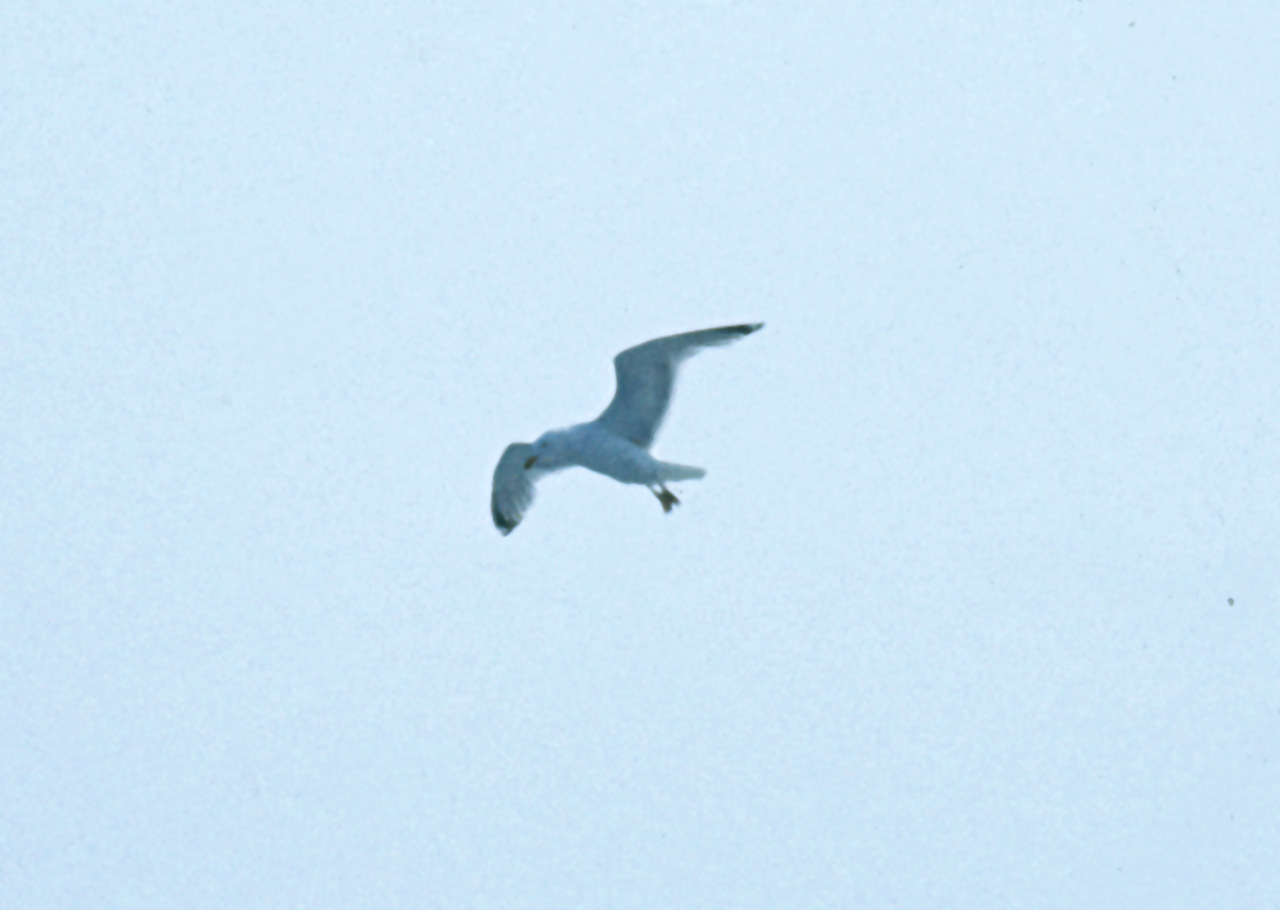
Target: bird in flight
[(617, 442)]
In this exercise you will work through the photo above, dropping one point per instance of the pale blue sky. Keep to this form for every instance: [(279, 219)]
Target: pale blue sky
[(976, 606)]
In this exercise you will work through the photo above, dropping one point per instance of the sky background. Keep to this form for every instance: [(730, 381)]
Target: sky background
[(977, 605)]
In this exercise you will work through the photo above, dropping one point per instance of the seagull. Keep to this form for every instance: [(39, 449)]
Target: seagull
[(617, 442)]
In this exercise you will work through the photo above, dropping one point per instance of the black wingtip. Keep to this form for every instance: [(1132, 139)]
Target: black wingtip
[(746, 329), (502, 523)]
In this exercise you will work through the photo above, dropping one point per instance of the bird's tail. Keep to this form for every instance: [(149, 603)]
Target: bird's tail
[(668, 471)]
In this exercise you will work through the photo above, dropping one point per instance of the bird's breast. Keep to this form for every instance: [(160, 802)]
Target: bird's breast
[(609, 454)]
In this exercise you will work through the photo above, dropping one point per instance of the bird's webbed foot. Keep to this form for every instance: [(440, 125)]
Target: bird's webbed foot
[(667, 498)]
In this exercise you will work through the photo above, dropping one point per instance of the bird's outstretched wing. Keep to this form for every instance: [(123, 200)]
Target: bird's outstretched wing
[(647, 376), (513, 487)]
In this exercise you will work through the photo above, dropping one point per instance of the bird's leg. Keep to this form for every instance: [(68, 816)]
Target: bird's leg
[(666, 497)]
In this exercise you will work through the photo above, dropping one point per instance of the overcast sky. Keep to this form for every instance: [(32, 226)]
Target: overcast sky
[(977, 605)]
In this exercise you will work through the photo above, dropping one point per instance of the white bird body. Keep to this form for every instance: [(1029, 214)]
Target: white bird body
[(592, 446), (617, 442)]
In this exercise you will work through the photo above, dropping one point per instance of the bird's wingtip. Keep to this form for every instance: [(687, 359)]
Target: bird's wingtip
[(502, 523)]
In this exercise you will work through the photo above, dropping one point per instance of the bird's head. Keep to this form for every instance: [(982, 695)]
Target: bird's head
[(546, 450)]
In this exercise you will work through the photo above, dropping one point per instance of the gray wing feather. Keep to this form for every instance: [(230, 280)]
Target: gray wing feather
[(512, 487), (647, 375)]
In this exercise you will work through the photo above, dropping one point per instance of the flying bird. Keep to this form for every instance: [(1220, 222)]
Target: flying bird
[(617, 442)]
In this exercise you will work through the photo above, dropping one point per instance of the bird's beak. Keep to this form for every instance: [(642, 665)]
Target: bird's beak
[(528, 464)]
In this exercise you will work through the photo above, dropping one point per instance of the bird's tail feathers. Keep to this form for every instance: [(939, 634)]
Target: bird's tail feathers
[(668, 471)]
